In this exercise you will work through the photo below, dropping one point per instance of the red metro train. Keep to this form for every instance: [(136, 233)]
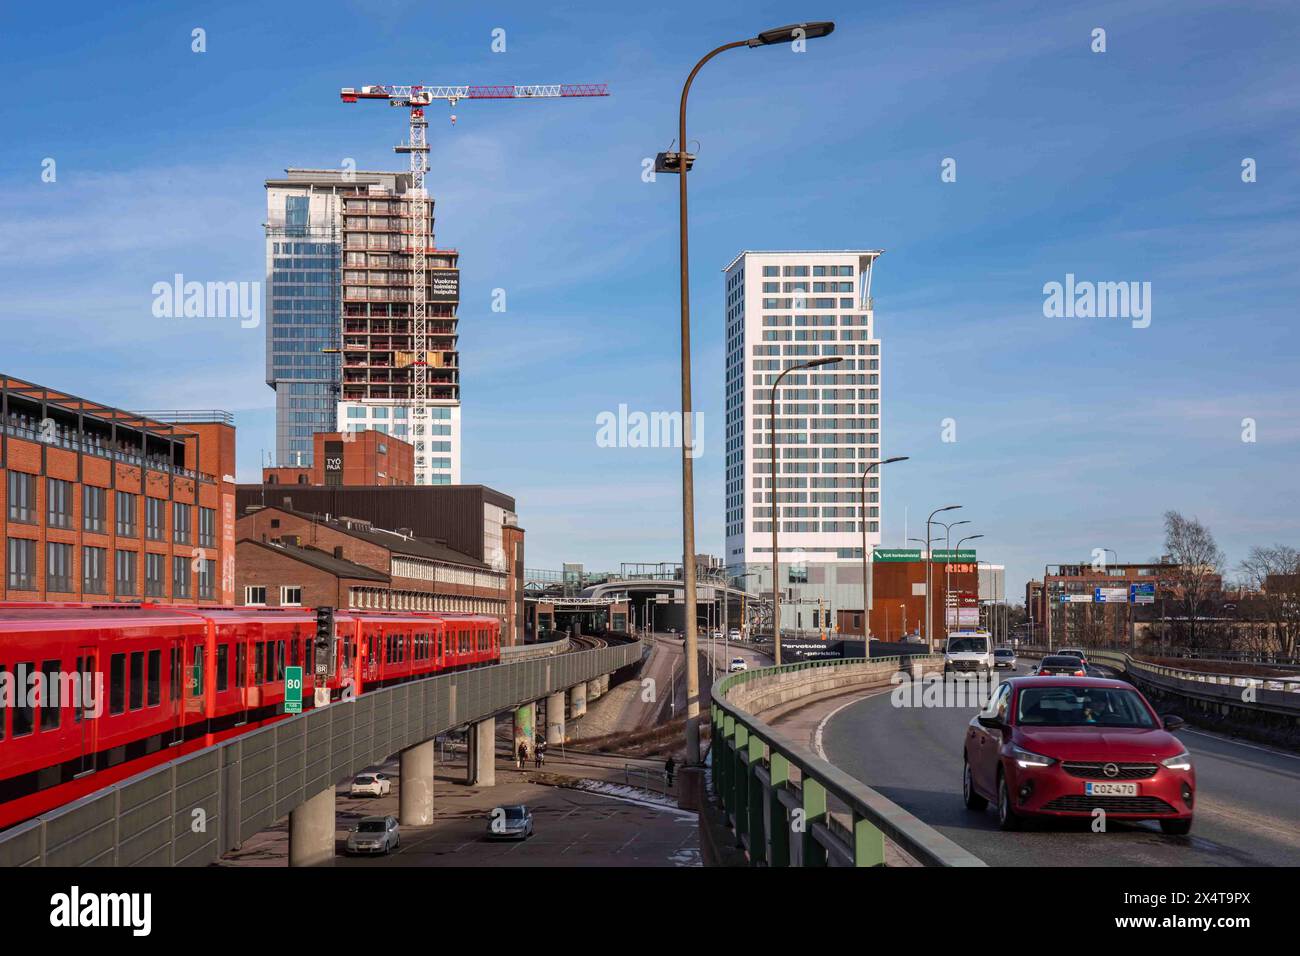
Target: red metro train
[(93, 694)]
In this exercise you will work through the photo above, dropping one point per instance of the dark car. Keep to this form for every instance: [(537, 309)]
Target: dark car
[(1058, 665), (1068, 746)]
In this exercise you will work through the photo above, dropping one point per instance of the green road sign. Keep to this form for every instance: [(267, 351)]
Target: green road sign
[(293, 690), (895, 554)]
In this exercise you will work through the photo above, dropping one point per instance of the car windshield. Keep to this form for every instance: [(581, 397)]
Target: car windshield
[(364, 780), (967, 645), (370, 826), (514, 813), (1082, 707), (1004, 652), (1070, 662)]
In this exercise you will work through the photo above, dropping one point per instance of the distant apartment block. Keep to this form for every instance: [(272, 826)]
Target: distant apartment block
[(341, 350), (784, 308), (101, 504)]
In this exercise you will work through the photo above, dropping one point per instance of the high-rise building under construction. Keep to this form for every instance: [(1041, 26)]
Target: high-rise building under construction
[(341, 351)]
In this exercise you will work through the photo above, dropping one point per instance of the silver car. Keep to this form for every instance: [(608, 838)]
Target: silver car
[(375, 835), (510, 823)]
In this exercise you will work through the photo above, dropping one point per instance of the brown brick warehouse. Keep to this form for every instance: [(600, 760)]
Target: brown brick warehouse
[(97, 503)]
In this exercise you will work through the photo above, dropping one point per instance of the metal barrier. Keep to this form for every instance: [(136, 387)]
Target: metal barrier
[(524, 652), (192, 810), (784, 822), (1274, 695)]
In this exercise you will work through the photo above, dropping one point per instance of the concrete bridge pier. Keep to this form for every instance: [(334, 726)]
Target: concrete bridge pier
[(578, 700), (525, 729), (415, 796), (482, 740), (593, 690), (311, 831), (555, 719)]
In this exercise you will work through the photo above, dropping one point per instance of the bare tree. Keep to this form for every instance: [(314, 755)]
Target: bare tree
[(1196, 573), (1274, 574)]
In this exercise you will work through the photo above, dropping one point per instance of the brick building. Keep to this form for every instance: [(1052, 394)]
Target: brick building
[(898, 596), (101, 504), (354, 458), (471, 519), (290, 558)]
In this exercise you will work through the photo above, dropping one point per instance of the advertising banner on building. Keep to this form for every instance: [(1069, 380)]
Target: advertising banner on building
[(445, 285)]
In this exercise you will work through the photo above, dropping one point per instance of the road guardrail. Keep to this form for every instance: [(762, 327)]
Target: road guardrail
[(784, 821)]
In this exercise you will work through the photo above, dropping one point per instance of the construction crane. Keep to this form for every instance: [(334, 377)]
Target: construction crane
[(416, 98)]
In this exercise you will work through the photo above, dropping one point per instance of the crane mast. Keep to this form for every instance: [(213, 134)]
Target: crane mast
[(416, 98)]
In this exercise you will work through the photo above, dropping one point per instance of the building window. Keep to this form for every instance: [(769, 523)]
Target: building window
[(21, 564), (207, 580), (290, 596), (155, 521), (58, 567), (124, 578), (93, 579), (207, 527), (58, 503), (124, 514), (255, 595), (180, 577), (93, 507), (180, 523), (22, 497), (154, 583)]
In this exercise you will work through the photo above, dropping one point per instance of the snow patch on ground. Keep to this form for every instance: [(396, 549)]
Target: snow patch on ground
[(642, 798)]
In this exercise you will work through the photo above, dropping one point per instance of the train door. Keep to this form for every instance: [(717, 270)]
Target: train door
[(88, 706), (176, 690)]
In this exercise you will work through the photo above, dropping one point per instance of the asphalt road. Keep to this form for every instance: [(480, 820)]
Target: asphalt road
[(1247, 814)]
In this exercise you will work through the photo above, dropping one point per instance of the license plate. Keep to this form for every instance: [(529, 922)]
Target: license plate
[(1111, 789)]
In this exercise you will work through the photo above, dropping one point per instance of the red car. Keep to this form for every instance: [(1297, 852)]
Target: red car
[(1066, 746)]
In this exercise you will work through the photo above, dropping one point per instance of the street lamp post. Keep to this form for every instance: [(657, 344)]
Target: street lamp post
[(929, 575), (969, 537), (867, 584), (776, 506), (680, 163)]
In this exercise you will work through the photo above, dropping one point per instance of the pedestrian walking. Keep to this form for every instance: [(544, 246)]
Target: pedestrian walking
[(669, 768), (523, 755)]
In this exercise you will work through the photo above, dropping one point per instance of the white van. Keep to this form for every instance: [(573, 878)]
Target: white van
[(969, 653)]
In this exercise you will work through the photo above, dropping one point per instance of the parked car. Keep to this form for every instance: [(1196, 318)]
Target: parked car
[(1060, 665), (1068, 746), (1004, 657), (510, 823), (735, 634), (737, 664), (375, 835), (371, 785)]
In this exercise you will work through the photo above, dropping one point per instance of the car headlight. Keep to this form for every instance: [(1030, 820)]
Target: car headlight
[(1182, 761), (1027, 758)]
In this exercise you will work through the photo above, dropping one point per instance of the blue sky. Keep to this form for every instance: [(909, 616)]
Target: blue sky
[(1072, 434)]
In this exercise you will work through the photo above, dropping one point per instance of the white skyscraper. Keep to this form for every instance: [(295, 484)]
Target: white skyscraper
[(782, 309)]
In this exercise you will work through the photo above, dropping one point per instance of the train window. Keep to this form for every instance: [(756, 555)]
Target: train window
[(309, 655), (76, 709), (259, 661), (279, 661), (198, 671), (241, 664), (92, 688), (174, 674), (51, 696), (24, 713), (371, 651), (4, 707), (155, 678), (117, 684), (137, 680), (223, 666)]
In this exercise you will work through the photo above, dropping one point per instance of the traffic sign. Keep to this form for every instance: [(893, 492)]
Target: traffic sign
[(293, 690), (1144, 593), (1109, 595)]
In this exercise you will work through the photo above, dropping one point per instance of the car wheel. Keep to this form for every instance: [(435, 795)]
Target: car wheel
[(973, 800), (1176, 827), (1008, 819)]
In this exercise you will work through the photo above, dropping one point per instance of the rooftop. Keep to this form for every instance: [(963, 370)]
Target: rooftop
[(873, 253)]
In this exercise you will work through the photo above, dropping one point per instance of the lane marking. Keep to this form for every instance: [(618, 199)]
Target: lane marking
[(1238, 743), (817, 737)]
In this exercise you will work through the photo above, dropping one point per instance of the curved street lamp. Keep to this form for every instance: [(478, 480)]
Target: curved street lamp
[(680, 162), (929, 634), (866, 578), (776, 506)]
